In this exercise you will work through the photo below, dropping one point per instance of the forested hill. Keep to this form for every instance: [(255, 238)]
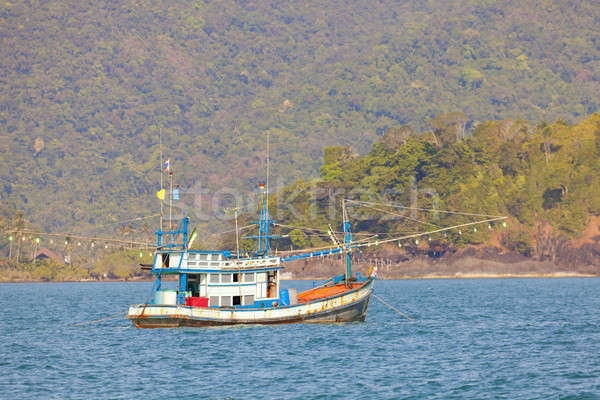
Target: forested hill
[(545, 179), (86, 86)]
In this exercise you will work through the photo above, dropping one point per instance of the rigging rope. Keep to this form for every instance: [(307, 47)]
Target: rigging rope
[(367, 242), (317, 230), (392, 307), (401, 216), (363, 242), (439, 230), (100, 239), (422, 209), (122, 222), (231, 230), (99, 320), (70, 235)]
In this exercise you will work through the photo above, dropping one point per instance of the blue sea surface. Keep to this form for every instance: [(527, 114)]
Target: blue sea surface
[(473, 339)]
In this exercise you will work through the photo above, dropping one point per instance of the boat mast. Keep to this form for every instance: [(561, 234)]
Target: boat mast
[(237, 233), (347, 241), (171, 201), (268, 163), (263, 235), (161, 175), (263, 225), (266, 221)]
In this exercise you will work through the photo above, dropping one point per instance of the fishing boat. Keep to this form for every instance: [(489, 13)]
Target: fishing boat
[(224, 288), (220, 288)]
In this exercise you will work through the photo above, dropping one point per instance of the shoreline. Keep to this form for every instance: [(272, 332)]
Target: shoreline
[(501, 276), (400, 277)]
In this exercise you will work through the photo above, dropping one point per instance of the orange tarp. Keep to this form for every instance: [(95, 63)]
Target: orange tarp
[(327, 291)]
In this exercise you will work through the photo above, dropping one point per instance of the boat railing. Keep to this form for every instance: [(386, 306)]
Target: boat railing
[(189, 261)]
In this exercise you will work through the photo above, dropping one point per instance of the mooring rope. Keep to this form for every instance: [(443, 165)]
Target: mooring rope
[(392, 307), (99, 320)]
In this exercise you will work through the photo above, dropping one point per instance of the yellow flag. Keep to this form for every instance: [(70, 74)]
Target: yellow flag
[(161, 194)]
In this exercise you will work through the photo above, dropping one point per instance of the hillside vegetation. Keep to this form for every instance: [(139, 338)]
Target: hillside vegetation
[(86, 87), (546, 179)]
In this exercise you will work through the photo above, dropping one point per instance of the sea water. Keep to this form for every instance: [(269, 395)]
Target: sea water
[(476, 339)]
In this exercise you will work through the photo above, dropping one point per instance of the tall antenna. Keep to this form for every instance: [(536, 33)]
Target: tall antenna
[(237, 233), (268, 162), (264, 222), (171, 200), (161, 175)]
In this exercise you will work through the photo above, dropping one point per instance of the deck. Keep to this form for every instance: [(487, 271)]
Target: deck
[(325, 291)]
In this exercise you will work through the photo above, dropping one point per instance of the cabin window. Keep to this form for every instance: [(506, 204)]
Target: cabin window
[(236, 277), (226, 278), (249, 277), (202, 278), (248, 300), (225, 300), (203, 257), (213, 301), (214, 278), (237, 300)]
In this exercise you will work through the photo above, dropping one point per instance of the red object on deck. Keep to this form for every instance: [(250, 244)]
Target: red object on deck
[(196, 301)]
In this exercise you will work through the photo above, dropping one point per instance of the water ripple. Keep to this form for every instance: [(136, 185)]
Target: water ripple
[(485, 339)]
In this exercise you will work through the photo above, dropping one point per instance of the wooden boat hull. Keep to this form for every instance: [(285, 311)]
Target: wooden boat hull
[(349, 306)]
